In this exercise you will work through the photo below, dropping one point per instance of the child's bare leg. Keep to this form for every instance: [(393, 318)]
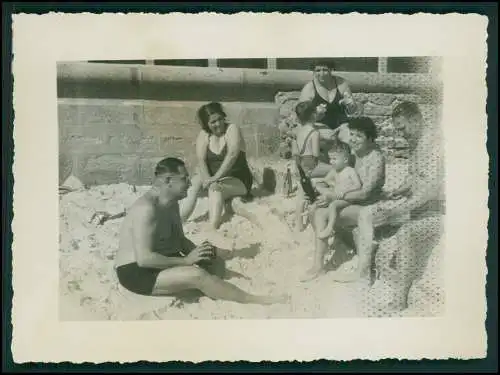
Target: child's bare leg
[(299, 212), (321, 246), (334, 208), (327, 231)]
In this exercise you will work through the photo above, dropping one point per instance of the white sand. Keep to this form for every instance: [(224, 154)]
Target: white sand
[(269, 261)]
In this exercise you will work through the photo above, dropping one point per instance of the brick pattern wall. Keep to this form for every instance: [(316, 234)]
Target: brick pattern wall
[(377, 106), (110, 141)]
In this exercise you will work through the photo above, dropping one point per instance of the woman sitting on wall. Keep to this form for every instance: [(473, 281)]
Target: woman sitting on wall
[(223, 166)]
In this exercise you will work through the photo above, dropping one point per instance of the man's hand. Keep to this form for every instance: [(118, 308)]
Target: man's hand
[(203, 252), (381, 217)]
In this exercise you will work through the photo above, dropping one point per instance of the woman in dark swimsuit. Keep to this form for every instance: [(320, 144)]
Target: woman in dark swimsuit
[(223, 166), (334, 101)]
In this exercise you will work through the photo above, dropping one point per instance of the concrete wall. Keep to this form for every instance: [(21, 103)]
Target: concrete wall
[(116, 122), (377, 106), (111, 141)]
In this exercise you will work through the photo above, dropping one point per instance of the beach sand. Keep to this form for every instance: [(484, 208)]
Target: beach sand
[(267, 260)]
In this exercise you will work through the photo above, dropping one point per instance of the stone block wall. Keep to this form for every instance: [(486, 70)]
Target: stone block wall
[(377, 106), (113, 141)]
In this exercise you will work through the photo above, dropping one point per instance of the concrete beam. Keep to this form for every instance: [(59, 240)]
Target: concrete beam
[(144, 77)]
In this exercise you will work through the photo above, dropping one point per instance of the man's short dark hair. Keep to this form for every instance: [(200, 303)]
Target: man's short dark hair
[(365, 125), (407, 110), (168, 165)]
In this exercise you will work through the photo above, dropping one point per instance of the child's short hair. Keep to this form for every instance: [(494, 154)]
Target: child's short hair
[(339, 146), (343, 148), (305, 111)]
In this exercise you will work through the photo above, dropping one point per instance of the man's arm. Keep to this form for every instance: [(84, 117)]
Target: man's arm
[(403, 189), (144, 226), (426, 179), (423, 190)]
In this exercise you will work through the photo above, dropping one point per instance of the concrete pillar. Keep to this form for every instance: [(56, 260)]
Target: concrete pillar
[(212, 63), (272, 63), (150, 62), (382, 64)]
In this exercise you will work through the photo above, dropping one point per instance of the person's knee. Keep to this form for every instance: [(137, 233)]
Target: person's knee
[(214, 189), (196, 276)]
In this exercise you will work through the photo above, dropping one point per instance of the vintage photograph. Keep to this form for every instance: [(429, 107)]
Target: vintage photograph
[(257, 188)]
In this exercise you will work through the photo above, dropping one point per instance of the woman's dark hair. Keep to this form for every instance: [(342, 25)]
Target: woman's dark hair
[(364, 125), (305, 111), (206, 110), (328, 62), (407, 110)]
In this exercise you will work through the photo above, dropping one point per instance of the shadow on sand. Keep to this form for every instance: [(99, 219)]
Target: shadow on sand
[(218, 268)]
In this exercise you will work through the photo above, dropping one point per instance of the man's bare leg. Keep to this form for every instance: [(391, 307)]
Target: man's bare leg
[(177, 279), (300, 209)]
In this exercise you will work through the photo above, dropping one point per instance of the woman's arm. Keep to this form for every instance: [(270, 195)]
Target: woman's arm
[(348, 99), (233, 140), (372, 181), (307, 93), (201, 153)]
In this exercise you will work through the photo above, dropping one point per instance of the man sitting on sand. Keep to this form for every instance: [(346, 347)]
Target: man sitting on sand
[(155, 257)]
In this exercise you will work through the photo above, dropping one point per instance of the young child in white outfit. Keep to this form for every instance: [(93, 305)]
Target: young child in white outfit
[(339, 181)]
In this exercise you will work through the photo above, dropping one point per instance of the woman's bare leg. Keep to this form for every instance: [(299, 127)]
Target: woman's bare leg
[(215, 206), (361, 217)]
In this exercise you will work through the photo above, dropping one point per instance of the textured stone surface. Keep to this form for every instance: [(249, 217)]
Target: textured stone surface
[(377, 106), (116, 148)]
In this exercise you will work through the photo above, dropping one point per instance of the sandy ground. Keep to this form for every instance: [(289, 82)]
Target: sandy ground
[(269, 260)]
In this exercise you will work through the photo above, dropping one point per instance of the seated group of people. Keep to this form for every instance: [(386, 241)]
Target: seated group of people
[(335, 154)]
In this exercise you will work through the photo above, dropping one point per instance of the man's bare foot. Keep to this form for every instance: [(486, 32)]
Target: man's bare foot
[(271, 300)]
